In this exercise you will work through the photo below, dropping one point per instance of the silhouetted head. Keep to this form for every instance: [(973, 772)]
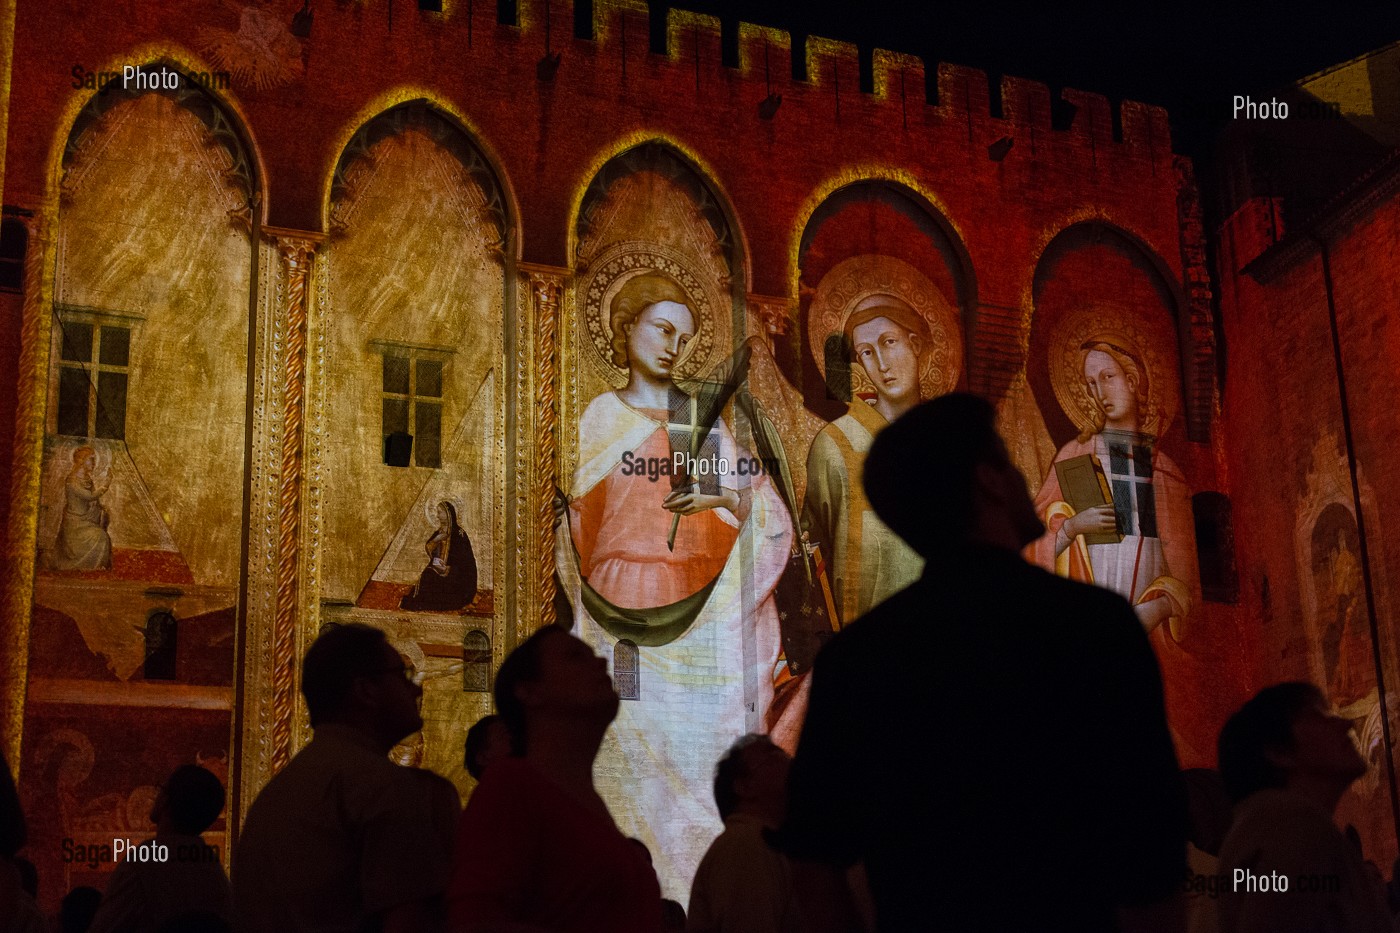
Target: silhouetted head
[(940, 476), (78, 907), (752, 777), (1287, 731), (190, 801), (553, 674), (352, 675), (488, 740), (672, 917)]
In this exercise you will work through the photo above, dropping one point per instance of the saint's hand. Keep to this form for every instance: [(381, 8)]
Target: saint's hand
[(685, 501), (1101, 519), (1154, 612), (561, 507)]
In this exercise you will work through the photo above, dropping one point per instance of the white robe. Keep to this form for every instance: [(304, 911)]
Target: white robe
[(700, 692)]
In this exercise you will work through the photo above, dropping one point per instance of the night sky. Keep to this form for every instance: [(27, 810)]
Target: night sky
[(1189, 57)]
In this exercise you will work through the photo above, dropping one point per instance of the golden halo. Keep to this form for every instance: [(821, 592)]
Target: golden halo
[(1152, 343), (851, 281), (431, 503), (611, 270)]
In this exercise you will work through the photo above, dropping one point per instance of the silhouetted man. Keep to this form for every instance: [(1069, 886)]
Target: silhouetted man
[(488, 741), (991, 742), (143, 895), (1287, 757), (343, 839), (742, 884)]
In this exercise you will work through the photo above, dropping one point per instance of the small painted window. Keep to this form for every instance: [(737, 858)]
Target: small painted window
[(93, 363), (627, 675), (14, 246), (476, 662), (1215, 547), (412, 407)]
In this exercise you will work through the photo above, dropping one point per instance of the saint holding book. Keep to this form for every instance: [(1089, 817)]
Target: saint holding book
[(1117, 509)]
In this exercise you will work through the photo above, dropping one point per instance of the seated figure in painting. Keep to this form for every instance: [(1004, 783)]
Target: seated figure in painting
[(1153, 566), (686, 574), (82, 542), (448, 583)]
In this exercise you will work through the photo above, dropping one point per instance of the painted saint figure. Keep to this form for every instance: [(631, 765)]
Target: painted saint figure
[(868, 562), (698, 607), (1346, 643), (83, 542), (448, 583), (1154, 565)]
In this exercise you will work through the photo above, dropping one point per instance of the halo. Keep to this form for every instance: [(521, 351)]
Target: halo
[(623, 261), (430, 504), (1149, 341), (101, 459), (851, 281)]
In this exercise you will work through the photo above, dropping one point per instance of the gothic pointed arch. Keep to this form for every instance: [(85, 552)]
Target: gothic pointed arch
[(423, 117), (225, 130), (1098, 268), (879, 237)]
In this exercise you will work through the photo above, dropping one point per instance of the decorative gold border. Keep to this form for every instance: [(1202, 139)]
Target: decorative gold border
[(254, 764), (546, 291), (297, 251), (16, 613)]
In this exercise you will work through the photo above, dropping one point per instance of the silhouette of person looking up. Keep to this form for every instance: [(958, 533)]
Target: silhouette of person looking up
[(1286, 758), (742, 884), (142, 896), (1053, 800), (537, 848), (342, 838)]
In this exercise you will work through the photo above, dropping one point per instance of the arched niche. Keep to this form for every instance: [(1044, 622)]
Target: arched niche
[(149, 351), (415, 287), (649, 208), (1105, 372), (673, 185), (144, 432), (694, 623), (870, 237), (1096, 270)]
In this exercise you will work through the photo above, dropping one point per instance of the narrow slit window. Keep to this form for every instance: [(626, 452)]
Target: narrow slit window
[(627, 675)]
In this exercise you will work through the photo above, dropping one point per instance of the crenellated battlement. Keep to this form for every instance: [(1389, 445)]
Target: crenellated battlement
[(695, 50), (747, 101), (765, 54)]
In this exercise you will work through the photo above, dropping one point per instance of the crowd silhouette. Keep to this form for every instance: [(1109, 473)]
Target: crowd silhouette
[(905, 808)]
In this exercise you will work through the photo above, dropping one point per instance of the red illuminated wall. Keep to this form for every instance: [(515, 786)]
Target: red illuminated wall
[(1282, 408), (546, 137)]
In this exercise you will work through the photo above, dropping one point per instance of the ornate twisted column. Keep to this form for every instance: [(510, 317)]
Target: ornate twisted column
[(296, 252), (545, 287)]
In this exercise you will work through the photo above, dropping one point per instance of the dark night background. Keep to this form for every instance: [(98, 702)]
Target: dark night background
[(1190, 57)]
